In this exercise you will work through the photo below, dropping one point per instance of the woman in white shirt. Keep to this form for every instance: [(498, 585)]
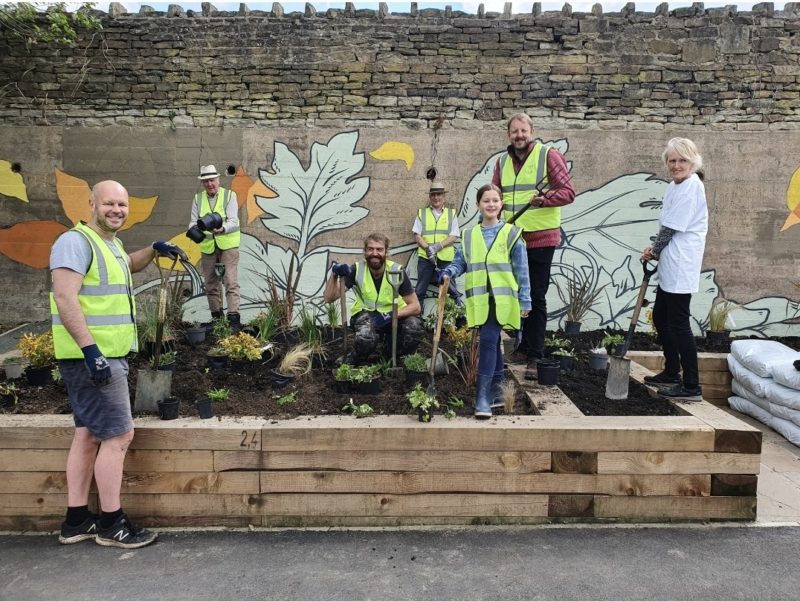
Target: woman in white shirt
[(679, 247)]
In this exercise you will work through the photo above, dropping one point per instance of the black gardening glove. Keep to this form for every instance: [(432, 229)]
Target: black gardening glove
[(97, 364), (168, 249)]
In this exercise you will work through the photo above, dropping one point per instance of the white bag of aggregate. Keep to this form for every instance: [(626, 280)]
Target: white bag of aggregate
[(780, 395), (792, 415), (786, 374), (787, 429), (746, 377), (743, 391), (760, 355)]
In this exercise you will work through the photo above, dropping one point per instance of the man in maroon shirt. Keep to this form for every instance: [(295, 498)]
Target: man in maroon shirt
[(529, 172)]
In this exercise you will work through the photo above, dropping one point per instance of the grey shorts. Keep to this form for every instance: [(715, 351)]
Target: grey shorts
[(104, 410)]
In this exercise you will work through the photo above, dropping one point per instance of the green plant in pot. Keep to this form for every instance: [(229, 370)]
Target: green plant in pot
[(422, 403), (265, 324), (242, 349), (366, 379), (578, 300), (611, 341), (416, 368), (718, 317), (553, 343), (566, 358), (195, 332), (205, 408), (40, 354), (361, 410), (147, 327), (166, 361), (217, 357), (295, 363), (8, 394), (342, 377)]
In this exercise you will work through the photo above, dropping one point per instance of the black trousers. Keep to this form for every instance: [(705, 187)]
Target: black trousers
[(672, 319), (540, 260)]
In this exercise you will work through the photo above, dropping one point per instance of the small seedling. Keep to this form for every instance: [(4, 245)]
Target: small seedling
[(456, 402), (286, 399), (218, 394), (9, 389), (449, 414), (415, 362), (362, 410)]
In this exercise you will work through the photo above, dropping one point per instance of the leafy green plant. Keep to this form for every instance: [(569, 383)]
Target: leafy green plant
[(343, 372), (218, 394), (241, 347), (564, 352), (9, 390), (415, 362), (147, 320), (286, 399), (449, 414), (168, 358), (362, 410), (37, 349), (580, 296), (217, 351), (422, 402), (221, 328), (296, 362), (21, 20), (455, 401), (554, 342), (266, 324), (610, 342), (55, 373), (309, 327), (453, 313), (718, 315), (362, 375)]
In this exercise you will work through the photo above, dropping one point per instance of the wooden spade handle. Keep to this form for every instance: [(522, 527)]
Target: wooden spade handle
[(437, 333)]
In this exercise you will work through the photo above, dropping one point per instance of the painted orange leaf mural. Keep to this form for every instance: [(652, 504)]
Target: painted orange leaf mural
[(241, 184), (246, 190), (191, 249), (29, 242), (74, 194)]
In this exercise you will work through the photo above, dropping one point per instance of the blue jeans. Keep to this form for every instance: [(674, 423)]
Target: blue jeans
[(490, 357), (425, 275)]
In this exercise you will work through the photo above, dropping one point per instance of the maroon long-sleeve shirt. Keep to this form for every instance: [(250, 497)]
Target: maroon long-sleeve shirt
[(560, 192)]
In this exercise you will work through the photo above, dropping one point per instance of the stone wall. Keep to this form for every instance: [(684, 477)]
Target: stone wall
[(153, 96)]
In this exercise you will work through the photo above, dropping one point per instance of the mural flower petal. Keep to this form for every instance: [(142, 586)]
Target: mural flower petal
[(30, 242), (11, 182), (395, 151), (258, 191)]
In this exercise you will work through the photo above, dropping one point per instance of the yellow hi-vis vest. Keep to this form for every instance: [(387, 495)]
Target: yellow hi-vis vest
[(367, 298), (489, 274), (518, 189), (106, 300), (436, 230), (222, 241)]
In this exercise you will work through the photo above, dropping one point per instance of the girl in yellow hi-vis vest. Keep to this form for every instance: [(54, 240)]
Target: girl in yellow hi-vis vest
[(497, 288)]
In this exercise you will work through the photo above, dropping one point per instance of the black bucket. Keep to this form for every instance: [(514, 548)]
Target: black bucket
[(547, 371)]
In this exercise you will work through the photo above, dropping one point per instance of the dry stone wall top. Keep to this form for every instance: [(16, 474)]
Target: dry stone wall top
[(688, 67)]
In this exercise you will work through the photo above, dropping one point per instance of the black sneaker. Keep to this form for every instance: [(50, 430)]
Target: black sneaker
[(531, 370), (86, 530), (683, 393), (125, 535), (663, 379)]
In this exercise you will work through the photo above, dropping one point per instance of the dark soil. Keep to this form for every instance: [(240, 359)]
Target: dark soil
[(251, 392)]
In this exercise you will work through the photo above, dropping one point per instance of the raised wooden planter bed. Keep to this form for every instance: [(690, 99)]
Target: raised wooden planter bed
[(715, 379), (393, 470)]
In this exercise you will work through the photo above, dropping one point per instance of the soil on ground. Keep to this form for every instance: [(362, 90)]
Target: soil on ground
[(251, 391)]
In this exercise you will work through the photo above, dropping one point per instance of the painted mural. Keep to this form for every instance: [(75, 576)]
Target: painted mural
[(297, 200)]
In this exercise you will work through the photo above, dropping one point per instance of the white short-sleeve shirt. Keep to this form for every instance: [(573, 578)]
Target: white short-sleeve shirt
[(684, 210)]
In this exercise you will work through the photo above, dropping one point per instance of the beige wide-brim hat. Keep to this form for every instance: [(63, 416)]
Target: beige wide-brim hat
[(437, 188), (208, 172)]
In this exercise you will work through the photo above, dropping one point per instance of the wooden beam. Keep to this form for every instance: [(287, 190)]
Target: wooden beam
[(677, 463), (574, 462), (641, 509)]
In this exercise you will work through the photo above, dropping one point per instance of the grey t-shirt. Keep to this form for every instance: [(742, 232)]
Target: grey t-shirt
[(72, 251)]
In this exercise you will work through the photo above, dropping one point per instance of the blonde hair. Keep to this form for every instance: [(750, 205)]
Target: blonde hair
[(685, 149), (519, 117)]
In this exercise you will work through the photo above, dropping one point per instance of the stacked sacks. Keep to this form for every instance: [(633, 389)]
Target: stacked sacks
[(766, 384)]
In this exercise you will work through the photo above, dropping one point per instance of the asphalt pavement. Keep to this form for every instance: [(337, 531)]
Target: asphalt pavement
[(711, 563)]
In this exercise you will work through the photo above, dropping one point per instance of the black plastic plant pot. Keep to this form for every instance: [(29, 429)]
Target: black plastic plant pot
[(416, 377), (280, 380), (372, 387), (167, 367), (566, 363), (39, 376), (341, 386), (572, 328), (547, 371), (205, 408), (424, 416), (598, 361), (717, 337), (195, 336), (168, 408), (217, 361)]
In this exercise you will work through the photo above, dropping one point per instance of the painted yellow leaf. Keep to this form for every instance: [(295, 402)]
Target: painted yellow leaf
[(257, 189), (30, 242), (11, 183), (191, 249), (395, 151), (793, 202), (74, 194)]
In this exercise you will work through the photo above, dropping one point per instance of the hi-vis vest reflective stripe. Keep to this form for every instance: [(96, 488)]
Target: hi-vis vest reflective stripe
[(518, 188), (436, 230), (106, 299), (367, 298), (501, 284), (223, 241)]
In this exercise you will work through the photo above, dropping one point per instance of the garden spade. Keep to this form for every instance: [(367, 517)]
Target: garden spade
[(437, 334), (395, 277), (619, 368), (343, 308)]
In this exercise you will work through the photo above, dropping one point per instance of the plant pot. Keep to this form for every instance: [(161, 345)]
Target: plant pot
[(39, 376), (341, 386), (718, 337), (572, 328), (167, 367), (217, 361), (14, 370), (416, 377), (168, 408), (373, 387), (205, 408), (424, 416), (547, 371), (598, 360), (565, 363), (195, 336), (280, 380)]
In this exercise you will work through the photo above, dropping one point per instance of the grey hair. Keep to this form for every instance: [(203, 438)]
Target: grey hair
[(685, 149), (519, 117)]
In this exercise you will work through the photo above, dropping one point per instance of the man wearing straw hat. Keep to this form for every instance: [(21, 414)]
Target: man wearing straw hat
[(435, 232), (219, 246)]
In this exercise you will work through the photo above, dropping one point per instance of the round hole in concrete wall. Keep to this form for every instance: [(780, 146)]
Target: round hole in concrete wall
[(16, 168), (431, 173), (231, 170)]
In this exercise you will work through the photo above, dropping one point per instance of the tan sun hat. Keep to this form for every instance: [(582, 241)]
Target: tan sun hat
[(437, 188), (208, 172)]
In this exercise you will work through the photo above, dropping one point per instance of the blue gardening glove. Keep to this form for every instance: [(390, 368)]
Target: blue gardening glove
[(382, 320), (168, 249), (340, 269), (97, 364)]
